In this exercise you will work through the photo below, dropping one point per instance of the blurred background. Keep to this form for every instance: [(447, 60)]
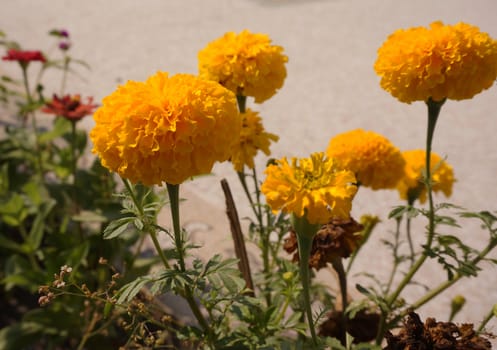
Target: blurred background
[(331, 87)]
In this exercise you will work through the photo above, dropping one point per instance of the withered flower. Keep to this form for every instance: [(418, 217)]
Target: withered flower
[(435, 335), (338, 238), (362, 327)]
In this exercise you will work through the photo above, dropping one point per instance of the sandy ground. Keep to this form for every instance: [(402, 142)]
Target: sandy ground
[(331, 88)]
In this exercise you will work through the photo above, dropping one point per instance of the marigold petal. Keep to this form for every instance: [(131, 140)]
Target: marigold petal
[(166, 129), (443, 61), (313, 186), (246, 63)]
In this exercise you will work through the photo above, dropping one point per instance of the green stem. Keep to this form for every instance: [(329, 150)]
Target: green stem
[(434, 108), (242, 177), (444, 285), (264, 234), (173, 192), (242, 102), (342, 278), (33, 120), (74, 161), (369, 225), (485, 321), (409, 240), (433, 112), (67, 59), (149, 228), (395, 256), (305, 234), (73, 151), (305, 245)]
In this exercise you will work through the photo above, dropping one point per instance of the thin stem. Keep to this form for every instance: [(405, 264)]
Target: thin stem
[(67, 59), (173, 192), (74, 161), (409, 240), (149, 228), (342, 278), (434, 108), (395, 256), (485, 321), (369, 224), (444, 285), (304, 246), (305, 235), (73, 151), (264, 234), (433, 112), (242, 177), (24, 68), (95, 318), (242, 102)]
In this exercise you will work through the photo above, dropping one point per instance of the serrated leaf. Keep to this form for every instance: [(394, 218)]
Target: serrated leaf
[(138, 224), (232, 281), (117, 227), (130, 290)]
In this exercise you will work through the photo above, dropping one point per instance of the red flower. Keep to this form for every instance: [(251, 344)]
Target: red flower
[(69, 107), (24, 57)]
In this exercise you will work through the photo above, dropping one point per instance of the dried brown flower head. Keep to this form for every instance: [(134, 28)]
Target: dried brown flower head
[(435, 335), (362, 327), (338, 238)]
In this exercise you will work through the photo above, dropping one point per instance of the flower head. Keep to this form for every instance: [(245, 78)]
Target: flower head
[(312, 187), (376, 162), (443, 61), (64, 45), (70, 107), (166, 129), (24, 57), (410, 186), (245, 63), (253, 138)]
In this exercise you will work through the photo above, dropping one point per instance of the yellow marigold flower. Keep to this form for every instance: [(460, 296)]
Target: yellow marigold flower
[(245, 63), (376, 162), (411, 187), (166, 129), (443, 61), (253, 138), (313, 187)]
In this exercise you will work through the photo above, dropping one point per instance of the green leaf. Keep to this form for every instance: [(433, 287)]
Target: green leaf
[(117, 227), (11, 245), (138, 224), (231, 280), (398, 212), (108, 308), (78, 255), (60, 127), (37, 230), (13, 211), (130, 290), (89, 216), (36, 192), (19, 335)]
